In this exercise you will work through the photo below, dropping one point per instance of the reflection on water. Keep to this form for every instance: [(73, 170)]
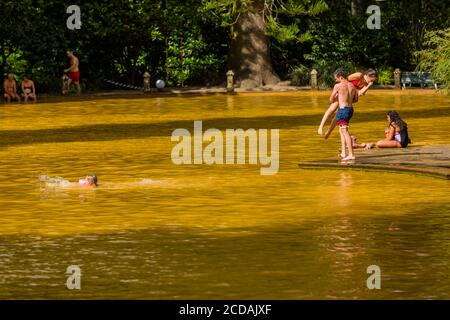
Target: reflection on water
[(156, 230), (325, 258), (343, 198)]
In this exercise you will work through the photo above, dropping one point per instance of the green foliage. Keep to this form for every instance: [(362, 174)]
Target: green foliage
[(436, 56), (15, 62), (186, 42), (118, 40), (385, 76), (277, 14), (300, 75), (190, 60), (295, 8), (283, 33), (44, 81), (326, 69), (340, 36), (284, 19)]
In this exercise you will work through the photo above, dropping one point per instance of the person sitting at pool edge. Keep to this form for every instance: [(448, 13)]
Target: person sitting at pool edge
[(89, 181), (10, 89), (396, 133), (28, 89)]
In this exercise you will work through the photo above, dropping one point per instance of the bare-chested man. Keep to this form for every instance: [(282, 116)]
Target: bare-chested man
[(10, 89), (74, 72), (346, 94)]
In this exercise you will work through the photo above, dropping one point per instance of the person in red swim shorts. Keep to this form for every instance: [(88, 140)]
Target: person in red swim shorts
[(74, 71)]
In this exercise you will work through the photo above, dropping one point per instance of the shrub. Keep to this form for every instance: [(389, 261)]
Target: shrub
[(385, 76), (435, 56), (325, 70), (300, 75)]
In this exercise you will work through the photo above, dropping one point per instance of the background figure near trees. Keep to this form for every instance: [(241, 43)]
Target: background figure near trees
[(10, 89), (28, 89), (73, 71)]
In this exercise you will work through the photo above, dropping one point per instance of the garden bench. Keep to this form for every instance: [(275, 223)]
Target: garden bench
[(422, 78)]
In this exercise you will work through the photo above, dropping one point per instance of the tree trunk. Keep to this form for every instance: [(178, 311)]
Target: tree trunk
[(249, 50)]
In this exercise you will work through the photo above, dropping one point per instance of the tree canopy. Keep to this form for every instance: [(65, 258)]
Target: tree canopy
[(194, 42)]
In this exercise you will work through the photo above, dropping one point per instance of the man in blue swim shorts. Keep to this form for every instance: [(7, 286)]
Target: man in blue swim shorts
[(347, 95)]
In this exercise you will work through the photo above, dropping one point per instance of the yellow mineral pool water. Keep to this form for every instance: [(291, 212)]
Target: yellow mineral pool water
[(155, 230)]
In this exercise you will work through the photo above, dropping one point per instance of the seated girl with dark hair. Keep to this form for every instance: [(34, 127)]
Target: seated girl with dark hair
[(396, 133)]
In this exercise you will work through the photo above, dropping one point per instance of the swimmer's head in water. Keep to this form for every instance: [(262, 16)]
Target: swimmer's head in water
[(92, 179)]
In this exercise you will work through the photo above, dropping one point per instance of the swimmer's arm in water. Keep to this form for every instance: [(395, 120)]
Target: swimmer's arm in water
[(85, 183)]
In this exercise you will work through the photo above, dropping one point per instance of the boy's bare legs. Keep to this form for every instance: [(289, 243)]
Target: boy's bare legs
[(348, 142), (331, 109), (331, 128), (343, 146)]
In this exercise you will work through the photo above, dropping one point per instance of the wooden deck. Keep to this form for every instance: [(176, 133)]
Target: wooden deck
[(428, 160)]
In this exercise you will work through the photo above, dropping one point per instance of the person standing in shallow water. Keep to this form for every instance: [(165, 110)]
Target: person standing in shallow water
[(73, 71), (346, 94)]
